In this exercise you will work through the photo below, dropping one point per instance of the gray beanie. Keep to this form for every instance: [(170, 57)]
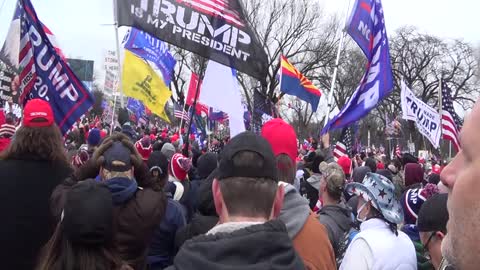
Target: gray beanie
[(168, 150)]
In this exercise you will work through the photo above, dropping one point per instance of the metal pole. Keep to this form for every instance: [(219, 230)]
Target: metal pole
[(115, 18), (337, 60), (450, 150), (368, 138)]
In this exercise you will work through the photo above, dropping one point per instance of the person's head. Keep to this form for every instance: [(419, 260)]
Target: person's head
[(168, 150), (246, 186), (372, 164), (346, 165), (413, 174), (432, 226), (94, 138), (206, 163), (332, 182), (144, 147), (179, 167), (38, 138), (83, 238), (283, 140), (359, 173), (460, 176), (117, 162), (158, 168), (413, 199), (376, 199)]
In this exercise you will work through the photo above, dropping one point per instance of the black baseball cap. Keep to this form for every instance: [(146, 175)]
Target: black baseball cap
[(433, 215), (120, 153), (247, 141), (88, 213)]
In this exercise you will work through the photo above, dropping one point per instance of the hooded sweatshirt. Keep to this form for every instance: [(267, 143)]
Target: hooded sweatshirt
[(259, 246), (295, 210), (338, 220)]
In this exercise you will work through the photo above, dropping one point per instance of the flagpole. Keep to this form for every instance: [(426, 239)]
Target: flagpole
[(194, 105), (440, 109), (115, 18), (337, 61)]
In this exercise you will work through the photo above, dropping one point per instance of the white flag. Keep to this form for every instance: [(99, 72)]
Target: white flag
[(426, 118), (220, 91)]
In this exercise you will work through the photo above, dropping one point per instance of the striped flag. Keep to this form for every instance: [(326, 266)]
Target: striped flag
[(178, 112), (398, 152), (451, 122), (344, 146), (219, 8)]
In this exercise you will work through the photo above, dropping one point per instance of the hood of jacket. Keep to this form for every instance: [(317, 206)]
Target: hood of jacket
[(262, 246), (295, 210), (122, 189), (340, 213)]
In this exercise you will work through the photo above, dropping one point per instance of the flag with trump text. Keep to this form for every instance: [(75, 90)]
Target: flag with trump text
[(367, 27), (214, 29), (140, 81), (45, 74), (293, 82)]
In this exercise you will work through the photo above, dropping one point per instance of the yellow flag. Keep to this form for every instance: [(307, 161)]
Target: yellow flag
[(141, 82)]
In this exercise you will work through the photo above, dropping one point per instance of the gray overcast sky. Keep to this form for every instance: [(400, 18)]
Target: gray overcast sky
[(77, 24)]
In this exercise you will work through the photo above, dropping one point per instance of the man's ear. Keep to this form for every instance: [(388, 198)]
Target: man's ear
[(440, 235), (278, 201), (218, 199)]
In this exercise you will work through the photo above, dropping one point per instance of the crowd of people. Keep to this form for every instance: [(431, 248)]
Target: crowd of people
[(143, 199)]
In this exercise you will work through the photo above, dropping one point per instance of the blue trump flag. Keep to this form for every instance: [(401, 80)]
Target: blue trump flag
[(367, 27), (46, 74), (136, 107), (152, 49)]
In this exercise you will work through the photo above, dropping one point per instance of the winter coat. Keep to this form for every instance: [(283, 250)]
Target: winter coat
[(188, 196), (338, 221), (263, 246), (310, 238), (137, 212), (162, 247), (25, 189), (199, 224)]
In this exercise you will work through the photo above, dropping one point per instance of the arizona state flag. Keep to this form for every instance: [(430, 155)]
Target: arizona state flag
[(293, 82), (141, 82)]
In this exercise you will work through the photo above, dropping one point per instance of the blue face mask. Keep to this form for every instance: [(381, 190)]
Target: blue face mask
[(359, 211)]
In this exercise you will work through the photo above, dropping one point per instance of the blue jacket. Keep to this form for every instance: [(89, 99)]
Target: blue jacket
[(162, 247)]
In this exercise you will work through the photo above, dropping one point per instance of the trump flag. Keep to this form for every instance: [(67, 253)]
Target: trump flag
[(45, 74), (367, 27), (293, 82)]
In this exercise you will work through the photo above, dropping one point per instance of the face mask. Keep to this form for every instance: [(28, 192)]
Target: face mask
[(358, 213)]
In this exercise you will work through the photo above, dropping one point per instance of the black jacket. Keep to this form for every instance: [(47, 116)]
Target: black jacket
[(200, 224), (264, 247), (26, 225)]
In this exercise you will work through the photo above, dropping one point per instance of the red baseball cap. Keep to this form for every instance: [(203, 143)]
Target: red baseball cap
[(282, 138), (37, 113)]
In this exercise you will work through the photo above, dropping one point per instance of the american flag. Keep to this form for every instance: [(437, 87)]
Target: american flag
[(225, 9), (451, 122), (178, 112), (26, 58), (344, 146), (398, 152)]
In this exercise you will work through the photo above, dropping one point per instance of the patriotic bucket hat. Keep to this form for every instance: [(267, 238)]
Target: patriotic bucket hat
[(378, 190)]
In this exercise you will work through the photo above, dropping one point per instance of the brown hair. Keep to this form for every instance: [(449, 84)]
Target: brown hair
[(285, 169), (61, 254), (40, 143), (250, 197)]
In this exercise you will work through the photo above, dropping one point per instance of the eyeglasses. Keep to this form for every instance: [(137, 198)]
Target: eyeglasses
[(425, 247)]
